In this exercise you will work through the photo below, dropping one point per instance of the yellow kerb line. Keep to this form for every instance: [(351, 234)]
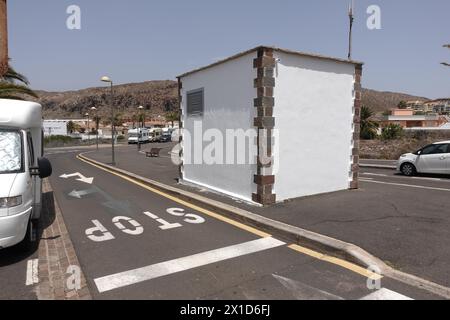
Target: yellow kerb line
[(184, 203), (342, 263)]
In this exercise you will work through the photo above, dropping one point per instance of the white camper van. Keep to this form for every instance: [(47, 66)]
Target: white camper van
[(155, 134), (140, 135), (22, 169)]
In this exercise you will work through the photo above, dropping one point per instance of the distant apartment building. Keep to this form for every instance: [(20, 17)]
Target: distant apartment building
[(440, 106), (416, 105), (407, 118)]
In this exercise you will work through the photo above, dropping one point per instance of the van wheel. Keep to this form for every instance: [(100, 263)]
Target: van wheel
[(408, 169)]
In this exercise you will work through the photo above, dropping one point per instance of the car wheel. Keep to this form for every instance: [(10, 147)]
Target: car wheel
[(408, 169), (27, 243)]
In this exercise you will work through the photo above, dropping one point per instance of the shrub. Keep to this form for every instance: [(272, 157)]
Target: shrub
[(392, 132), (57, 139)]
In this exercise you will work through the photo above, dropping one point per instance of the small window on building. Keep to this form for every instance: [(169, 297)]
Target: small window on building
[(195, 103)]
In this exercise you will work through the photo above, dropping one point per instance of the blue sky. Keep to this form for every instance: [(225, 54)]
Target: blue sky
[(140, 40)]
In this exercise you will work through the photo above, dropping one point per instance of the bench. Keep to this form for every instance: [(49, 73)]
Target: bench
[(153, 153)]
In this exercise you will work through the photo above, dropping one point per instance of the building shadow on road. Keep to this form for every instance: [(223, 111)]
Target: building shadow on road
[(16, 254)]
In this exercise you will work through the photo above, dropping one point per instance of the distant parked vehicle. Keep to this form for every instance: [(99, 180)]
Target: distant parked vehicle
[(140, 135), (434, 158), (155, 134), (166, 137)]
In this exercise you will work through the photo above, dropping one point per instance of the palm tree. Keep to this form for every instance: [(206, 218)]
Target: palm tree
[(172, 116), (9, 89), (368, 127)]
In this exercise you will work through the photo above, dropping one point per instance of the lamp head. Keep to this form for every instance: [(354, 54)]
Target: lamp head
[(106, 79)]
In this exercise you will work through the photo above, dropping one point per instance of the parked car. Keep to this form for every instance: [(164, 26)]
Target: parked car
[(434, 158), (166, 137), (22, 168)]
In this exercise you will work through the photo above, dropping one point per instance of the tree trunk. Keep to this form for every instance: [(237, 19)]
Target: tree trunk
[(3, 38)]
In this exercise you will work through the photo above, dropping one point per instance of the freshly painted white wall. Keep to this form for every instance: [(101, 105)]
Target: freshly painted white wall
[(314, 115), (229, 94)]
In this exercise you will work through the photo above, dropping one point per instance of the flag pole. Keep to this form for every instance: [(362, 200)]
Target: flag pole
[(352, 19)]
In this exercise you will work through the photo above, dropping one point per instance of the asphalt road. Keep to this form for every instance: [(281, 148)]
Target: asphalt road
[(164, 253), (13, 274), (180, 254)]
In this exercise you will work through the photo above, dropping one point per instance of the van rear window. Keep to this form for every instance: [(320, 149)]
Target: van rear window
[(10, 152)]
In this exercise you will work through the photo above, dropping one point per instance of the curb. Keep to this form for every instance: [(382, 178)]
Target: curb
[(57, 256), (312, 240)]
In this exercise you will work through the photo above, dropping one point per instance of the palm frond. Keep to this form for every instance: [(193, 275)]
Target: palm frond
[(12, 75), (10, 90)]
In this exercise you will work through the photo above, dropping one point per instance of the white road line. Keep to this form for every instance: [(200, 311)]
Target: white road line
[(429, 179), (32, 272), (385, 294), (405, 185), (375, 174), (127, 278)]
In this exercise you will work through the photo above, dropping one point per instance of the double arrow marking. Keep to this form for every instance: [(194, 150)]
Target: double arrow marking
[(81, 177)]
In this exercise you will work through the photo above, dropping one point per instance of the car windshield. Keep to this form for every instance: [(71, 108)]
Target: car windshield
[(10, 151)]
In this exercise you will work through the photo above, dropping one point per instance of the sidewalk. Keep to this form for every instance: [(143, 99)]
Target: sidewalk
[(406, 228)]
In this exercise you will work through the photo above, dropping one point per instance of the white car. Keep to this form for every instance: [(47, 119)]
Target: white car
[(434, 158)]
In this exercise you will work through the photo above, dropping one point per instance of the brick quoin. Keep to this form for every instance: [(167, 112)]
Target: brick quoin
[(354, 173), (264, 103)]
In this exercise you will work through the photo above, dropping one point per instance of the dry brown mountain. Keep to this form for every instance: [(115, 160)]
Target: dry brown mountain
[(381, 101), (158, 97)]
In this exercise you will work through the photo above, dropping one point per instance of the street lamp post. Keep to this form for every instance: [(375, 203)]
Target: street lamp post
[(94, 109), (88, 129), (113, 127), (140, 108)]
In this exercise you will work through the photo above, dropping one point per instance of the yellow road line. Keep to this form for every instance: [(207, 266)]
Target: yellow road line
[(184, 203), (342, 263)]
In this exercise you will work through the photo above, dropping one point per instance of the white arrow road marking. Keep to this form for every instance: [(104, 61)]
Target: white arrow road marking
[(385, 294), (32, 272), (131, 277), (80, 194), (81, 177)]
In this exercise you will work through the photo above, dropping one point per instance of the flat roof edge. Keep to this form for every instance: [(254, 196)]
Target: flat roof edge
[(298, 53)]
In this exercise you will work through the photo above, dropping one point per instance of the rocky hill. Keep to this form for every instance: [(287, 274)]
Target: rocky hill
[(159, 97), (381, 101)]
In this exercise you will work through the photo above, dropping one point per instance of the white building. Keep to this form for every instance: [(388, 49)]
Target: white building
[(303, 109), (55, 127)]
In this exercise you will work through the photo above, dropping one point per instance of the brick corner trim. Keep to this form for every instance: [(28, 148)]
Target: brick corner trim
[(354, 174), (264, 103), (180, 101)]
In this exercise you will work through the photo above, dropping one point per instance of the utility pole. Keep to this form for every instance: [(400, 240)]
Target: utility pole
[(3, 38), (352, 19)]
